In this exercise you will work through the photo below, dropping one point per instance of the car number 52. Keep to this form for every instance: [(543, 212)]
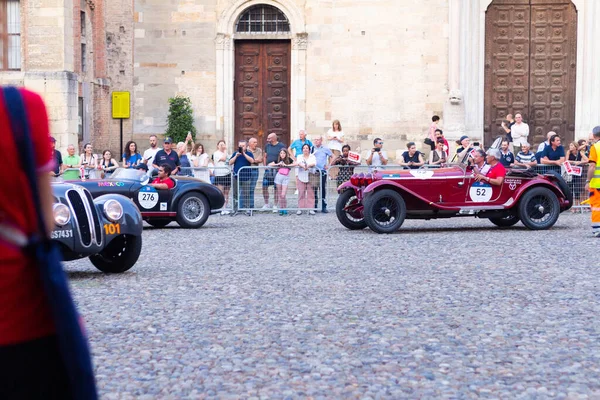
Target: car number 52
[(480, 193)]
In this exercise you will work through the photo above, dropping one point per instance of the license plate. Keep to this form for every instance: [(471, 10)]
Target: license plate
[(112, 229)]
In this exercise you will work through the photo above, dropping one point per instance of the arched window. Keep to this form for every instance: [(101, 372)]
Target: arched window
[(262, 19)]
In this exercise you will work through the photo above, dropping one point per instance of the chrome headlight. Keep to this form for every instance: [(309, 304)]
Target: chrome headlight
[(113, 210), (62, 214)]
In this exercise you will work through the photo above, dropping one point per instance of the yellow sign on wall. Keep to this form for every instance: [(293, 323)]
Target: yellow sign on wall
[(120, 105)]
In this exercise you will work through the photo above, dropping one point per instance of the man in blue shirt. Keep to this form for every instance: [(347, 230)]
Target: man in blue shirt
[(323, 155), (507, 158), (554, 154), (241, 177), (296, 146), (167, 156)]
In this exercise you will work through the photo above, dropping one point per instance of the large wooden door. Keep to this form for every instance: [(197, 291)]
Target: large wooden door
[(530, 64), (262, 90)]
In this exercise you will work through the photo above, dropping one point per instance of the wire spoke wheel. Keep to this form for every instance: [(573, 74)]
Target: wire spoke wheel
[(385, 211), (349, 210), (539, 208), (192, 210)]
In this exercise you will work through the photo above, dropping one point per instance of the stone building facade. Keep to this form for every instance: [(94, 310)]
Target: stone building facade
[(382, 68)]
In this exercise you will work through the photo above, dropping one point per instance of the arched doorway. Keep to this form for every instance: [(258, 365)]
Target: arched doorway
[(530, 66), (262, 75)]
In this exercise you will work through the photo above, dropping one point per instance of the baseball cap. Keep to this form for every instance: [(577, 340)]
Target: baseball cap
[(596, 130), (463, 138), (52, 139), (168, 140)]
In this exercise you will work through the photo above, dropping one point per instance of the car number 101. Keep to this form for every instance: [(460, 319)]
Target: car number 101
[(112, 229)]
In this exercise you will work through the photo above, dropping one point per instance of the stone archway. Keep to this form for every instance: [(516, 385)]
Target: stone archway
[(225, 62)]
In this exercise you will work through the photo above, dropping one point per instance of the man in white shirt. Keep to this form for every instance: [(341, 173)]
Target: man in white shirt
[(519, 132), (378, 156), (149, 154)]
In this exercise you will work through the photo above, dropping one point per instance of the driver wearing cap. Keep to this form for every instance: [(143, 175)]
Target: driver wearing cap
[(167, 156)]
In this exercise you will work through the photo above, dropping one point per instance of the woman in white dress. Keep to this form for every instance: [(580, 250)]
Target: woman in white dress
[(89, 160), (335, 137), (199, 161)]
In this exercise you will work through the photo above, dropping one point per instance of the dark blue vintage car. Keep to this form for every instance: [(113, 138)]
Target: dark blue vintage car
[(189, 203), (107, 229)]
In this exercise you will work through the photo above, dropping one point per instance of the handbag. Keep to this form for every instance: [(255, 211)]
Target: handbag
[(284, 171), (73, 344)]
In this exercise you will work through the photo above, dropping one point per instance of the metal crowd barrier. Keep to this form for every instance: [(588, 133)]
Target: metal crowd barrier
[(576, 183)]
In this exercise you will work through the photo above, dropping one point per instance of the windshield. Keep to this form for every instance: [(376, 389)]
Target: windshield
[(129, 174)]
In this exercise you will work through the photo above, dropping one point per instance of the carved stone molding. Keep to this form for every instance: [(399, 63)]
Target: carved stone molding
[(300, 42), (223, 41)]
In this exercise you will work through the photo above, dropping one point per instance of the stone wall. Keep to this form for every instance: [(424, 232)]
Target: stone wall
[(380, 73)]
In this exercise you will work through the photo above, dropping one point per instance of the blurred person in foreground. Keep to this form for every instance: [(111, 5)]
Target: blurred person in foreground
[(592, 183), (32, 362)]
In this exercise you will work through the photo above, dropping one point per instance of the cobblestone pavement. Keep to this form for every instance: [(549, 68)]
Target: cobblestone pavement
[(299, 307)]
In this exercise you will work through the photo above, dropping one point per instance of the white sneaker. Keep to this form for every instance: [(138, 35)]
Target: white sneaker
[(298, 212), (275, 210), (225, 212), (266, 207), (311, 212)]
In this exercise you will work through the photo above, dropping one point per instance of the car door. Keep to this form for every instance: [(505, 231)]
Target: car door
[(152, 200), (483, 193)]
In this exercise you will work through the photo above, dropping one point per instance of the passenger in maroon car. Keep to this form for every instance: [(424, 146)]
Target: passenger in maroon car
[(479, 164), (163, 181), (497, 172), (412, 158)]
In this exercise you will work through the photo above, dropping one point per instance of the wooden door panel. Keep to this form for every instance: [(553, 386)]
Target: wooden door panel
[(506, 65), (530, 64), (262, 89), (552, 90)]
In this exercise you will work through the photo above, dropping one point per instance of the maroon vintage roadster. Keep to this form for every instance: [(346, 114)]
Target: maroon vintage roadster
[(382, 200)]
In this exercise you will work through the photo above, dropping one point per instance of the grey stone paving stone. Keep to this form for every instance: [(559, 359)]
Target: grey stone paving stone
[(272, 307)]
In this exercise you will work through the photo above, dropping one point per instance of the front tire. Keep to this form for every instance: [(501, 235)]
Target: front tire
[(384, 211), (349, 210), (505, 222), (192, 210), (120, 255), (539, 208)]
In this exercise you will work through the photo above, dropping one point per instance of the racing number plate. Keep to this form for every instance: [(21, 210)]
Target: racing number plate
[(112, 229)]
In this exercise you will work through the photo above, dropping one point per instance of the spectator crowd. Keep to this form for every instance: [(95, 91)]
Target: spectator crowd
[(312, 162)]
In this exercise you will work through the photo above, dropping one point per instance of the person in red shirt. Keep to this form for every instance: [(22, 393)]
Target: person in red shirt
[(30, 362), (163, 181), (496, 173)]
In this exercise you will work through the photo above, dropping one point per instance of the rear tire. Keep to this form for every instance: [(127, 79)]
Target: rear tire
[(192, 210), (505, 222), (159, 222), (120, 255), (349, 210), (539, 208), (384, 211)]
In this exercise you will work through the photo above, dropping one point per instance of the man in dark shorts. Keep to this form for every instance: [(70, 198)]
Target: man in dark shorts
[(167, 156), (271, 154)]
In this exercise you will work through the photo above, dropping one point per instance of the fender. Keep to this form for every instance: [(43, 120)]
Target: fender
[(347, 185), (563, 198), (131, 221), (214, 196)]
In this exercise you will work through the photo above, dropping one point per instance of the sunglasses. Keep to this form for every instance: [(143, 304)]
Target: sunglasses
[(379, 143)]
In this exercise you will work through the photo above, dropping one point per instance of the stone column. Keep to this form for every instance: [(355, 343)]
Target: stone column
[(587, 114), (454, 109), (298, 84)]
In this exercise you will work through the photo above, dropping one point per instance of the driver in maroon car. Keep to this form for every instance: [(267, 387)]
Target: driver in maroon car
[(163, 181), (495, 175)]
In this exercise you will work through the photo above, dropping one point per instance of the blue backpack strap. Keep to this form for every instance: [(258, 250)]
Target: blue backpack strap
[(22, 138)]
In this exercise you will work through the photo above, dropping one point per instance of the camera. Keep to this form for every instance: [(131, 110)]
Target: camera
[(240, 149), (377, 149), (476, 144)]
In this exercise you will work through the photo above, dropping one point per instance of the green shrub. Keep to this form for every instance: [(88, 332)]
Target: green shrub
[(181, 119)]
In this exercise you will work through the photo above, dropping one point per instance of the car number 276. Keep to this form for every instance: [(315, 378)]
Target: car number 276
[(149, 197)]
